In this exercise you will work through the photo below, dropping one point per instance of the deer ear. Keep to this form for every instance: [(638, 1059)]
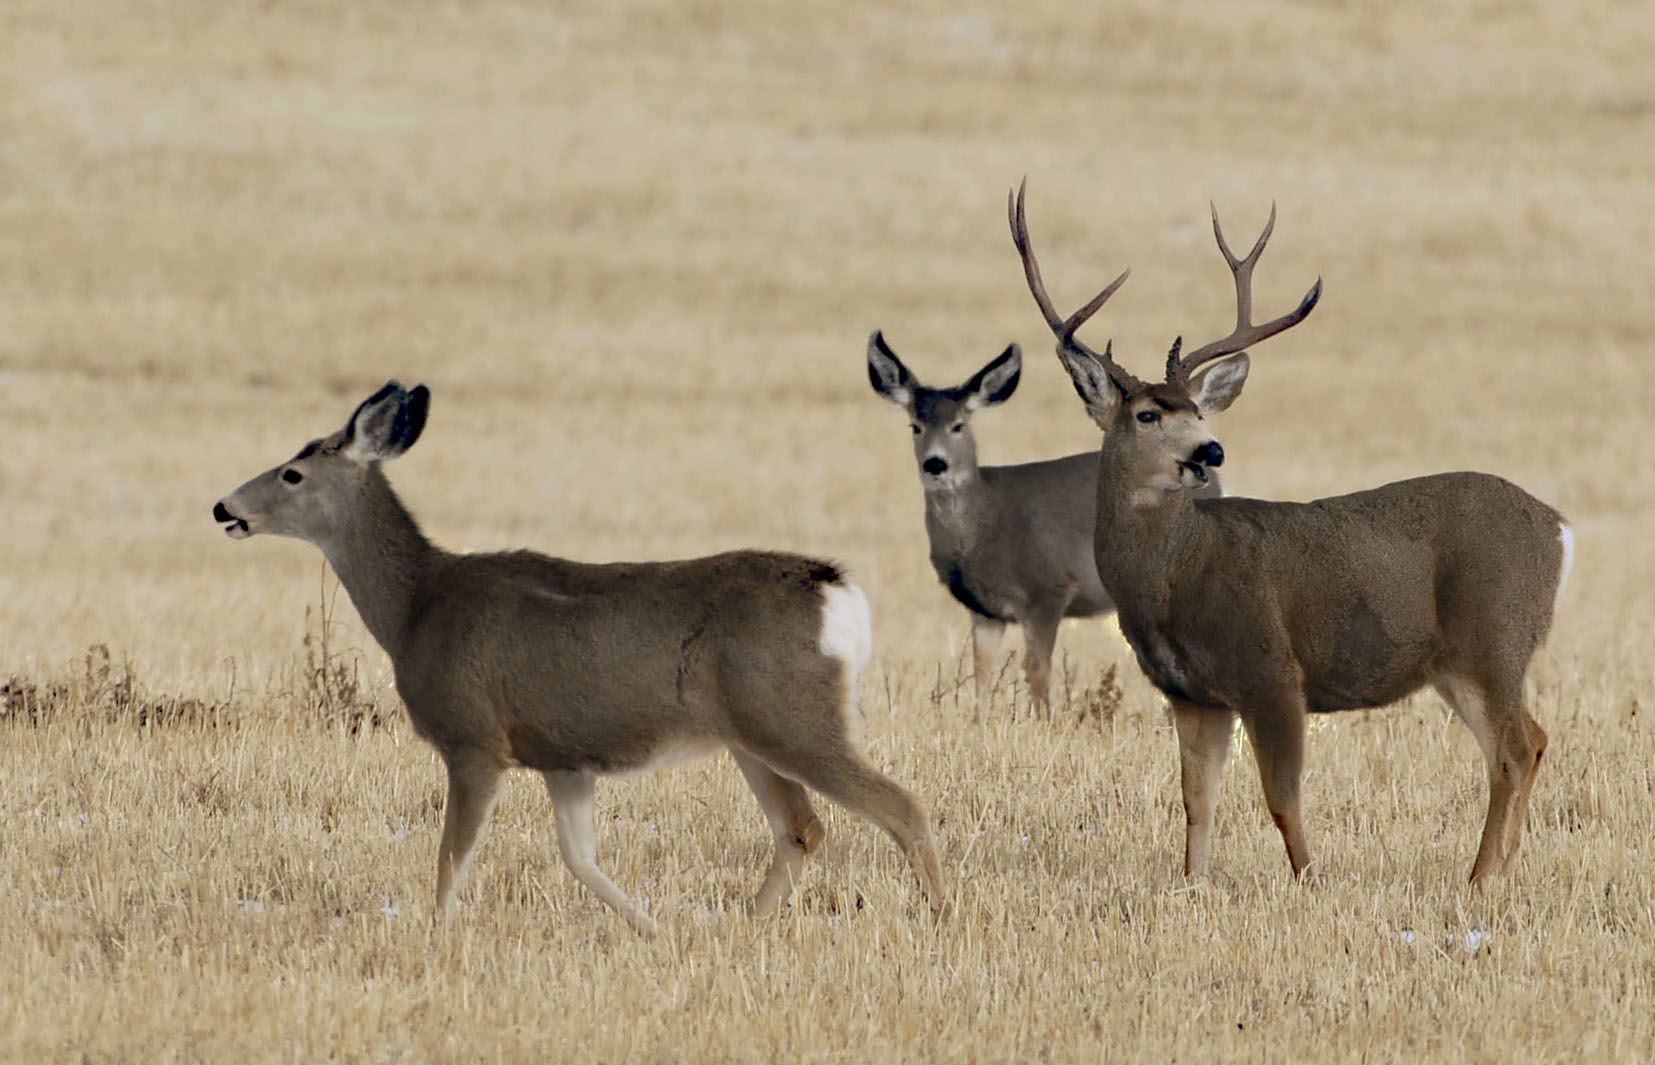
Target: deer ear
[(386, 424), (886, 373), (995, 382), (1094, 385), (1215, 388)]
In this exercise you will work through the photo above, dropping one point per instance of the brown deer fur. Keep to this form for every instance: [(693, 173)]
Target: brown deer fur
[(1269, 611), (576, 670)]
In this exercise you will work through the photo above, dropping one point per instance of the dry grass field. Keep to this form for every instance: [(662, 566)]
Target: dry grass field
[(636, 251)]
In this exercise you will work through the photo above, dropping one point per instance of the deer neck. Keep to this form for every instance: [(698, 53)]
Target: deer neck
[(380, 555), (1144, 521), (954, 511)]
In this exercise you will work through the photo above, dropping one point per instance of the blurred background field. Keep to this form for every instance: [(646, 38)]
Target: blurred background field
[(636, 251)]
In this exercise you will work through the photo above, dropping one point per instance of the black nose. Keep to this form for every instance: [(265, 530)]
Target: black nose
[(934, 465), (1208, 454), (221, 514)]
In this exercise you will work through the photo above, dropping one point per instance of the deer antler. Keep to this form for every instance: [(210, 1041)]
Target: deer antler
[(1246, 334), (1064, 328)]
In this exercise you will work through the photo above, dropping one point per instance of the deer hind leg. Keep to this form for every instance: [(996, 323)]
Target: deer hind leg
[(1536, 741), (571, 795), (1204, 736), (1278, 736), (793, 822), (1512, 743), (473, 785), (986, 634), (859, 787), (1039, 638)]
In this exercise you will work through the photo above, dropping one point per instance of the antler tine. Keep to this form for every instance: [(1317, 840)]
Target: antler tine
[(1063, 328), (1246, 334), (1258, 245), (1078, 319)]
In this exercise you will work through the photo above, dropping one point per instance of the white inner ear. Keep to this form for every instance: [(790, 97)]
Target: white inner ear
[(368, 432), (357, 451), (889, 380), (1096, 390), (992, 383), (1216, 389)]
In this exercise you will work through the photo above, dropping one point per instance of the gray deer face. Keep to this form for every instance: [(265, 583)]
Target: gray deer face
[(940, 418), (1160, 424), (308, 496)]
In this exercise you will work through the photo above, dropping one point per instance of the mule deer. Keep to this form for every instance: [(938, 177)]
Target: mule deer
[(1011, 543), (1273, 610), (576, 670)]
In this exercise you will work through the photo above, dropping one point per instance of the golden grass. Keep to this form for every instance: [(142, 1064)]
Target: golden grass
[(636, 251)]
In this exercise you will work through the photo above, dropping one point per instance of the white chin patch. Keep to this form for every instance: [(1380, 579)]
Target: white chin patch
[(237, 530), (947, 482), (1154, 492)]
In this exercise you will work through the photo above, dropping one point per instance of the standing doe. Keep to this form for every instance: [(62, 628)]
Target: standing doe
[(1012, 543), (577, 670), (1273, 610)]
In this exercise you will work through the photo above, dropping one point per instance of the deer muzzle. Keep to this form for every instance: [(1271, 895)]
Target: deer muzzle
[(234, 527), (1208, 454)]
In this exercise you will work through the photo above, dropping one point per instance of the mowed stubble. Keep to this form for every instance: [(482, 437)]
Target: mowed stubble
[(639, 253)]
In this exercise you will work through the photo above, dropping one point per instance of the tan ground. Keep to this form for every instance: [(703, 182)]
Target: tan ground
[(636, 251)]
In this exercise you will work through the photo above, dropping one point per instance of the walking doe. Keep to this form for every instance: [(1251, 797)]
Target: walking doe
[(577, 671)]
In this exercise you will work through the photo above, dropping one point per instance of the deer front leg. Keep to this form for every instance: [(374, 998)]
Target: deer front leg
[(577, 842), (1204, 736), (1277, 729), (986, 634), (1039, 637), (473, 784)]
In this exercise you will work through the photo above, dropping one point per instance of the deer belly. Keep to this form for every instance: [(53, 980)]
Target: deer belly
[(1364, 657), (1361, 688), (674, 752), (575, 746)]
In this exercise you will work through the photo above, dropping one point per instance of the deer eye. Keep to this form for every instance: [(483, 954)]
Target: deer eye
[(1149, 417), (292, 476), (915, 427), (957, 427)]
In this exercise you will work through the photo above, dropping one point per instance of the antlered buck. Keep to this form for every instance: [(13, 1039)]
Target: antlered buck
[(576, 670), (1269, 611)]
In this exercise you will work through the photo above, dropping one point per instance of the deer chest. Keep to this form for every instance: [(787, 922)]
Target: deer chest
[(977, 599), (1168, 664)]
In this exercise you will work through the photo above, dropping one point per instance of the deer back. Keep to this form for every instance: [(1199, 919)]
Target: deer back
[(564, 665), (1365, 596)]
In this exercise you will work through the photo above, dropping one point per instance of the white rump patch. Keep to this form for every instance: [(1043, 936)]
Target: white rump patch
[(847, 627), (847, 634), (1565, 536)]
